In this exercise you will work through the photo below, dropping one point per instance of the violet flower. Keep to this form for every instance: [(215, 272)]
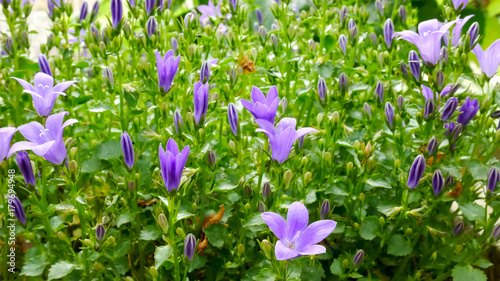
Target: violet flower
[(493, 178), (44, 92), (379, 90), (449, 127), (296, 237), (437, 182), (489, 59), (414, 62), (167, 68), (211, 10), (84, 11), (343, 43), (389, 114), (100, 232), (388, 32), (459, 4), (259, 16), (358, 257), (172, 164), (263, 107), (178, 122), (201, 95), (46, 142), (5, 138), (116, 12), (449, 109), (17, 207), (322, 89), (128, 150), (24, 164), (232, 116), (457, 31), (283, 137), (189, 246), (151, 25), (149, 4), (467, 111), (429, 94), (44, 64), (416, 171)]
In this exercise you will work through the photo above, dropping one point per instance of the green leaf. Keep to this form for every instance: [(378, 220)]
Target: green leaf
[(60, 269), (34, 267), (311, 272), (379, 182), (216, 234), (329, 43), (255, 220), (467, 273), (131, 98), (482, 263), (91, 165), (336, 267), (56, 223), (477, 170), (473, 211), (266, 274), (149, 233), (398, 246), (162, 254), (369, 228), (124, 218), (109, 150), (198, 262)]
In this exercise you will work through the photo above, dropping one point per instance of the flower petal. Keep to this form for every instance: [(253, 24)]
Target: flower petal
[(316, 232), (61, 87), (284, 253), (276, 223), (297, 219), (312, 250), (25, 84)]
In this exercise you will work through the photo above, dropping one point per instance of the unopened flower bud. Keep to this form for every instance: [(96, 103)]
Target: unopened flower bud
[(163, 223), (358, 257), (325, 209), (266, 190)]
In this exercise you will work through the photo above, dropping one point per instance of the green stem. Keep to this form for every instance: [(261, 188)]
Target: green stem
[(171, 221)]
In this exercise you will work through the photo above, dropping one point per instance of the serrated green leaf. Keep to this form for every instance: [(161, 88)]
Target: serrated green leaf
[(149, 233), (124, 218), (473, 211), (467, 273), (398, 246), (60, 270), (162, 253), (216, 234), (198, 262), (369, 228)]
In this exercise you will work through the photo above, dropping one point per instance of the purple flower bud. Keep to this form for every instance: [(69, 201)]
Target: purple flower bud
[(274, 39), (150, 4), (83, 11), (473, 33), (467, 111), (414, 62), (449, 109), (116, 12), (8, 45), (189, 246), (160, 4), (325, 209), (151, 26), (358, 257), (275, 26), (343, 82), (174, 43), (266, 190), (95, 10), (169, 4), (343, 43), (178, 122), (188, 18), (353, 34), (389, 113), (322, 89), (301, 142), (44, 64), (444, 54), (232, 116), (400, 102), (132, 3), (437, 182), (459, 227), (416, 171), (449, 181), (342, 14), (493, 178), (108, 75), (262, 32), (388, 32), (256, 26), (259, 16), (459, 5), (128, 150), (201, 95), (450, 127), (205, 72), (51, 6), (496, 232), (404, 68), (351, 24), (100, 231), (234, 4), (432, 145), (429, 107), (402, 13), (211, 158), (233, 75), (17, 207), (379, 90), (261, 207), (24, 163), (440, 79), (457, 130), (380, 6), (374, 39), (368, 109)]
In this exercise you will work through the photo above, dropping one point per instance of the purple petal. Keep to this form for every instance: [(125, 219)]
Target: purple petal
[(61, 87), (276, 223), (297, 219), (312, 250), (316, 232), (284, 253), (25, 84)]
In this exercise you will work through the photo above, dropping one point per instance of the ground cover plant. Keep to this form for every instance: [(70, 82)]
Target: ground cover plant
[(249, 141)]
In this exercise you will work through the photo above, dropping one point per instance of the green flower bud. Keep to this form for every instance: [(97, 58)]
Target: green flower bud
[(307, 178), (266, 248), (180, 232), (163, 223), (349, 167), (345, 263), (287, 178), (328, 157), (152, 269)]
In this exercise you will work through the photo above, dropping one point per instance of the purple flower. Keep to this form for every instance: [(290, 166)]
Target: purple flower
[(44, 64), (95, 10), (44, 92), (167, 68), (189, 246), (128, 150), (402, 13), (322, 89), (473, 33), (449, 109), (428, 108), (388, 32), (17, 207), (149, 4), (416, 171), (459, 4), (379, 90), (116, 12), (358, 257), (429, 94), (259, 16), (493, 178), (5, 138), (296, 238), (46, 142), (211, 10), (232, 116), (100, 232), (467, 111), (51, 6), (343, 43), (24, 164), (380, 6), (83, 11), (200, 100), (414, 62), (132, 3), (151, 25), (489, 59), (178, 122), (459, 227), (172, 164), (342, 14), (205, 72), (428, 39), (174, 43), (234, 4), (450, 127), (263, 107), (437, 182), (325, 209), (389, 114), (283, 137), (432, 145), (457, 31)]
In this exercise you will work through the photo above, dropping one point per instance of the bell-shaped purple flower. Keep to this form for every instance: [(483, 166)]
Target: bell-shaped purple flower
[(44, 93), (283, 137), (343, 43), (172, 164), (116, 12), (5, 138), (467, 111), (84, 11), (437, 182), (44, 64), (416, 171), (45, 141), (201, 95), (389, 114), (459, 4), (128, 150), (296, 238), (178, 122), (449, 109), (493, 178), (24, 164), (489, 59), (388, 32), (322, 89), (232, 116), (457, 31), (151, 25), (167, 68), (17, 207), (263, 107), (189, 246)]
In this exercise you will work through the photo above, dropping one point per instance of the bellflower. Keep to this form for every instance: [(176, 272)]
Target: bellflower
[(467, 111), (283, 137), (17, 207), (200, 100), (296, 238), (43, 92), (416, 171), (263, 107), (232, 116), (414, 62), (358, 257), (429, 107), (449, 109), (178, 122), (149, 4), (172, 164), (489, 59), (460, 4), (24, 164), (5, 138), (189, 246), (45, 141), (167, 68), (343, 43), (84, 11), (429, 94), (388, 32), (428, 39), (116, 12), (322, 89), (457, 31), (151, 25), (437, 182), (379, 90), (128, 150), (95, 10), (473, 33), (44, 64), (100, 232), (389, 114), (211, 10), (493, 178)]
